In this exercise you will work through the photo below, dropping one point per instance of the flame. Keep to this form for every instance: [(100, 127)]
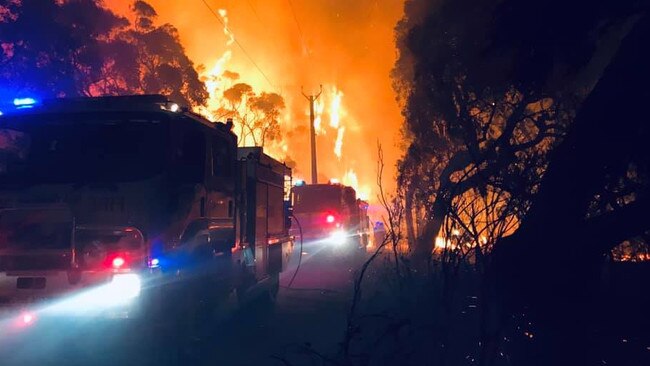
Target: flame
[(350, 179), (319, 107), (335, 120), (442, 243), (338, 145), (335, 108), (213, 78), (223, 13)]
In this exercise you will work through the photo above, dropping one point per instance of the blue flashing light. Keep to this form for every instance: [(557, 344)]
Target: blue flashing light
[(0, 113), (154, 263), (300, 182), (24, 102)]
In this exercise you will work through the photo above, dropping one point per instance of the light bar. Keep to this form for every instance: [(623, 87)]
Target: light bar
[(24, 102), (171, 106), (154, 263)]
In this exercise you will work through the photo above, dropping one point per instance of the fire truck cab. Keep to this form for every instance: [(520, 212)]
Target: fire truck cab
[(108, 203)]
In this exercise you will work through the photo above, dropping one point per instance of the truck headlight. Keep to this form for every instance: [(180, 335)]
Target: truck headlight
[(124, 286), (121, 290), (337, 237)]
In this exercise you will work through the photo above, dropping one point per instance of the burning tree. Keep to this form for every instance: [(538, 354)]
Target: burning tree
[(256, 116)]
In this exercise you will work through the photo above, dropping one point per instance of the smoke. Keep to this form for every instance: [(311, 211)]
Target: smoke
[(346, 46)]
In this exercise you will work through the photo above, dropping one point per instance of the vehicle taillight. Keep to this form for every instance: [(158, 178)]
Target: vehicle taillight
[(330, 219), (118, 262)]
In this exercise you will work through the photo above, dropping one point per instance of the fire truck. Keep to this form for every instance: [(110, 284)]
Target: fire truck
[(331, 213), (116, 206)]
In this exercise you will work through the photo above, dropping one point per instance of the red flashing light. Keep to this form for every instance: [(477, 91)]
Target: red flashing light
[(330, 219), (118, 262)]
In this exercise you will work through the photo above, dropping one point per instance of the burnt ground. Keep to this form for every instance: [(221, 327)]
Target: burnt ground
[(309, 315)]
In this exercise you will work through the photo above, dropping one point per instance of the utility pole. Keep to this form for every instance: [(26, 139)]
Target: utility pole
[(312, 132)]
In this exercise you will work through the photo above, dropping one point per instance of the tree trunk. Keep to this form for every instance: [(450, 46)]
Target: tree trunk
[(408, 210), (426, 241)]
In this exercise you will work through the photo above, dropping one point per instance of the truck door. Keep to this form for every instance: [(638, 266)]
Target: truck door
[(206, 244)]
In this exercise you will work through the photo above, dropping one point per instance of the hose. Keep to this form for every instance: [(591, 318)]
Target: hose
[(300, 257)]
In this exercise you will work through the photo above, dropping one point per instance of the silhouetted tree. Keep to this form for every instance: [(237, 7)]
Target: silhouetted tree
[(559, 289), (480, 116), (54, 48), (489, 91), (267, 108), (234, 104), (256, 117), (79, 48), (163, 65)]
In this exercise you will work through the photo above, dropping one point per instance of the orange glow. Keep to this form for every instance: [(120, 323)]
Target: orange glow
[(363, 190), (347, 46)]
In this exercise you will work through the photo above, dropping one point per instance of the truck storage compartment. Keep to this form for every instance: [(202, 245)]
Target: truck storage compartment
[(263, 219)]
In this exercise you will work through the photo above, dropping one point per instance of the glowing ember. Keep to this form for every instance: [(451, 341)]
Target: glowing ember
[(441, 243)]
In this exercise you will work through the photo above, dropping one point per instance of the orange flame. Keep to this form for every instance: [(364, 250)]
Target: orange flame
[(346, 46)]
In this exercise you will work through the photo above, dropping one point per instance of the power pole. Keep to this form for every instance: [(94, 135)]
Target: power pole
[(312, 132)]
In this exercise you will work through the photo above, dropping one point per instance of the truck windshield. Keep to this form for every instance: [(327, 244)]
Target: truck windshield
[(316, 198), (81, 148), (115, 240)]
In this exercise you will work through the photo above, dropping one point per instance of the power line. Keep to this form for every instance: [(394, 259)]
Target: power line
[(238, 43), (295, 18), (255, 12)]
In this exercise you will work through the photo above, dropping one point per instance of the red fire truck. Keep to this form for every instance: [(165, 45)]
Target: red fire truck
[(331, 213), (119, 205)]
